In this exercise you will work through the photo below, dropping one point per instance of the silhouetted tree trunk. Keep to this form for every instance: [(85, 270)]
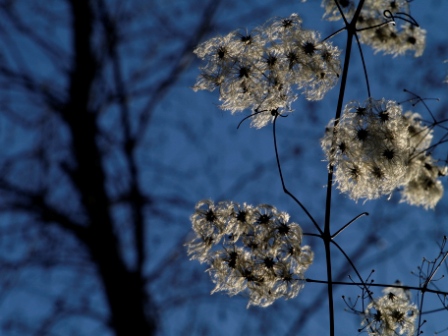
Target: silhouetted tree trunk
[(95, 79), (124, 288)]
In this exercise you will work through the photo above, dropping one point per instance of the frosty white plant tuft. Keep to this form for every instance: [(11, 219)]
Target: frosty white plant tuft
[(379, 149), (377, 27), (251, 249), (258, 71), (390, 315)]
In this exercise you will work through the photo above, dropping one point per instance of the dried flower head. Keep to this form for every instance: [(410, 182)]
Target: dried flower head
[(250, 249), (378, 149), (390, 315), (259, 71), (424, 189), (377, 25)]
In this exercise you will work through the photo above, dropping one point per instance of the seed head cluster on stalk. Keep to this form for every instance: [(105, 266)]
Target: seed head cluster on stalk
[(390, 315), (379, 149), (250, 249), (259, 70), (377, 27)]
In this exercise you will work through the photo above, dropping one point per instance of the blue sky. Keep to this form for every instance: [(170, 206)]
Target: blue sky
[(193, 151)]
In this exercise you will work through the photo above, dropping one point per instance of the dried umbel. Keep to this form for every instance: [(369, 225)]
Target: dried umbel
[(378, 149), (261, 69), (379, 25), (390, 315), (250, 249)]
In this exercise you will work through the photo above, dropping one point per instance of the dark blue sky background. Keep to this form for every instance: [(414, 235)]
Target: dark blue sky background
[(192, 151)]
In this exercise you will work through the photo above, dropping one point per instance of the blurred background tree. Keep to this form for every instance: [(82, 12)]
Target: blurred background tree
[(105, 151), (80, 81)]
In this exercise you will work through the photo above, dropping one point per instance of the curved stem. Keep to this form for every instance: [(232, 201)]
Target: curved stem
[(334, 34), (354, 268), (349, 261), (348, 224), (376, 26), (283, 181)]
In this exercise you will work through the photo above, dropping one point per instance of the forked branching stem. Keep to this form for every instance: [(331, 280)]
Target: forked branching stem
[(419, 99)]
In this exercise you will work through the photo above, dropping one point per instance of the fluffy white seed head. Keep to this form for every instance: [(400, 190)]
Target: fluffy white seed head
[(373, 28), (262, 70), (378, 149), (390, 315), (250, 249)]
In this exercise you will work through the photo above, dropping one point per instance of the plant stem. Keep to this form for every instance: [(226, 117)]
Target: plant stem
[(327, 237)]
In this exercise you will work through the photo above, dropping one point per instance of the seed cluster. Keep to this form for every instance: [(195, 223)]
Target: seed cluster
[(390, 315), (374, 30), (378, 149), (259, 70), (250, 249)]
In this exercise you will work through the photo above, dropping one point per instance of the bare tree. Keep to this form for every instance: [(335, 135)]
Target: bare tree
[(80, 82), (96, 187)]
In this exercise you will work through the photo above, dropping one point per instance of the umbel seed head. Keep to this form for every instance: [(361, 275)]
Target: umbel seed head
[(263, 71), (376, 149), (250, 249)]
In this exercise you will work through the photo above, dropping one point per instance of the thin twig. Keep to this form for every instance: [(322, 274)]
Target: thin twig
[(283, 181)]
